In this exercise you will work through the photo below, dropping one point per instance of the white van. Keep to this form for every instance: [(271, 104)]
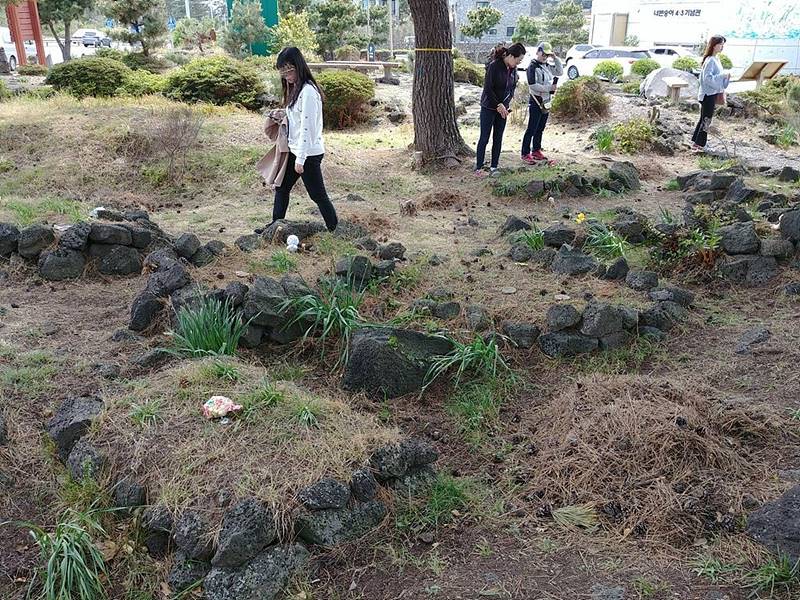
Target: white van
[(9, 47)]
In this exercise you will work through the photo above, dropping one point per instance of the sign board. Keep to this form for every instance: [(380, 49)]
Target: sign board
[(110, 23), (371, 52), (171, 23), (760, 70)]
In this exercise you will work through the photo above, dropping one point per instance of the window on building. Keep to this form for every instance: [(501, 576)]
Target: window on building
[(510, 31), (481, 5), (493, 32)]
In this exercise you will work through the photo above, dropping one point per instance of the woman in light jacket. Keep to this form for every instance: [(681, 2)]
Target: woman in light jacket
[(302, 99), (713, 82), (541, 83)]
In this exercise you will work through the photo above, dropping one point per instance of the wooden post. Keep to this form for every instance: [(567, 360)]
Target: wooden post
[(23, 21)]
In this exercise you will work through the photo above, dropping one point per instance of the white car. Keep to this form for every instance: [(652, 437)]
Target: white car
[(666, 55), (579, 51), (624, 55), (11, 48)]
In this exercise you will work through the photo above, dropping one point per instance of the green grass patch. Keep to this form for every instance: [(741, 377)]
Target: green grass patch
[(479, 358), (212, 328), (513, 183), (407, 278), (281, 262), (236, 162), (24, 213), (220, 371), (260, 401), (605, 243), (476, 405), (532, 238), (712, 163), (619, 361), (147, 414), (434, 506), (711, 568), (672, 186), (330, 245), (776, 575)]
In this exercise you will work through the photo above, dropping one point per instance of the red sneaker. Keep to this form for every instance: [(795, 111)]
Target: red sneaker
[(537, 156), (528, 158)]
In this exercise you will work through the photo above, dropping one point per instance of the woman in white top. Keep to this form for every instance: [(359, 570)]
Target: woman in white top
[(713, 82), (302, 98)]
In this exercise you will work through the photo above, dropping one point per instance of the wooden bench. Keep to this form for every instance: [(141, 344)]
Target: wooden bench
[(674, 87), (361, 66)]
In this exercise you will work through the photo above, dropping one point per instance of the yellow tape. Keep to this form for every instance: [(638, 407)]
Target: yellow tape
[(433, 49)]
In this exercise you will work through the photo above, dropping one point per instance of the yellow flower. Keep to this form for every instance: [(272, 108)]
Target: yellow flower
[(580, 218)]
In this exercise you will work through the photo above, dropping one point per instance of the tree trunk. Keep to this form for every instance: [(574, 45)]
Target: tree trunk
[(436, 132), (64, 52)]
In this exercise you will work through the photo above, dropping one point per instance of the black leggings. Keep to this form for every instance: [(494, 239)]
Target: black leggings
[(312, 179), (491, 123), (537, 119), (707, 106)]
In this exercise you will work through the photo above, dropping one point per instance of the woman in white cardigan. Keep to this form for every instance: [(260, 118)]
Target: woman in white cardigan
[(713, 82), (302, 99)]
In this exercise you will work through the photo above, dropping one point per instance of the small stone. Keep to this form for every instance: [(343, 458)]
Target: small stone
[(392, 251), (110, 234), (752, 337), (477, 318), (187, 244), (642, 280), (326, 493), (85, 461), (363, 485), (447, 310), (248, 243), (562, 316)]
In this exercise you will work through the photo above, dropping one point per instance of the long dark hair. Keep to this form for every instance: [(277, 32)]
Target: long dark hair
[(292, 57), (715, 39), (500, 51)]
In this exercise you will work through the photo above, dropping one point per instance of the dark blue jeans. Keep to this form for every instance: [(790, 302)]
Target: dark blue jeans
[(491, 123), (537, 119)]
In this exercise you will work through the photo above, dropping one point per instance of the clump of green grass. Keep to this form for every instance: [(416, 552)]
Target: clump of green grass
[(73, 566), (333, 314), (711, 568), (776, 574), (672, 185), (476, 404), (646, 588), (435, 505), (282, 262), (307, 414), (330, 245), (711, 163), (26, 213), (147, 414), (633, 135), (787, 137), (604, 139), (480, 358), (512, 183), (533, 238), (221, 370), (406, 279), (212, 328), (264, 397), (579, 516), (605, 243)]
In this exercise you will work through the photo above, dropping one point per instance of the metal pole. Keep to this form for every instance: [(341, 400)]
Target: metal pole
[(391, 29), (188, 10)]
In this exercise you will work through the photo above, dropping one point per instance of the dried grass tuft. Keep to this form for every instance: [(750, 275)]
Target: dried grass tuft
[(656, 458)]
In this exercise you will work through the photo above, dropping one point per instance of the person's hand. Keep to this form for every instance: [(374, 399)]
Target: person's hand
[(298, 168), (501, 108)]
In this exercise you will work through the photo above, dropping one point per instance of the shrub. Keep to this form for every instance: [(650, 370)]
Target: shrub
[(793, 98), (727, 63), (218, 80), (479, 358), (32, 70), (608, 69), (644, 66), (111, 53), (604, 243), (293, 29), (581, 97), (347, 53), (5, 93), (634, 135), (137, 60), (686, 63), (631, 87), (90, 76), (142, 83), (466, 71), (178, 57), (771, 96), (346, 96), (211, 328), (604, 139)]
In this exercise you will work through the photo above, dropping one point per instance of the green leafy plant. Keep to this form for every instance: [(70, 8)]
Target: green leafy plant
[(111, 53), (466, 71), (88, 76), (786, 137), (307, 415), (634, 135), (604, 139), (138, 61), (333, 314), (347, 96), (265, 396), (211, 328), (282, 262), (581, 98), (222, 371), (644, 66), (73, 566), (436, 505), (5, 93), (672, 185), (293, 29), (610, 70), (480, 21), (142, 83), (347, 52), (526, 31), (147, 414), (476, 404), (480, 358), (631, 87), (725, 60), (605, 243), (702, 244), (217, 80), (686, 63), (712, 163), (32, 70), (533, 238), (245, 29), (711, 568), (775, 574)]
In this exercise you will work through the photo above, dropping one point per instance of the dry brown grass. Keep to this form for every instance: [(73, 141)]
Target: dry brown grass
[(184, 459), (655, 457)]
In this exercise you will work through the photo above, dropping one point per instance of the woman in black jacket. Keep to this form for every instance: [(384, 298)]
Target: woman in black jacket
[(498, 91)]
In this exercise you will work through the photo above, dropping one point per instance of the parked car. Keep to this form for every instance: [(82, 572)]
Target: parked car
[(666, 55), (95, 39), (624, 55), (579, 51), (11, 48)]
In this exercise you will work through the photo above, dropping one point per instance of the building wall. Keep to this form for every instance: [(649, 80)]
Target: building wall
[(511, 10)]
